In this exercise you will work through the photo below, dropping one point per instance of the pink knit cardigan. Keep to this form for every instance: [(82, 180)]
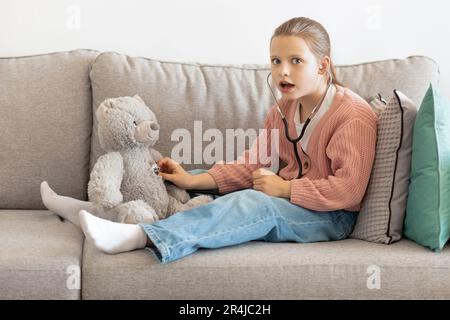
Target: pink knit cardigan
[(341, 152)]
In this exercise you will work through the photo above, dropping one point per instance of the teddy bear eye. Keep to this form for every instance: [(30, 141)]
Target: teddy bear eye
[(135, 123)]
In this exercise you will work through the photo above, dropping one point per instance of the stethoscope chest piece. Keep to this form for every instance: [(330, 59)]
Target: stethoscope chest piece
[(155, 169)]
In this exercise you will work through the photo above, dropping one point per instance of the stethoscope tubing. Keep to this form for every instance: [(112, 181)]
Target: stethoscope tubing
[(294, 141)]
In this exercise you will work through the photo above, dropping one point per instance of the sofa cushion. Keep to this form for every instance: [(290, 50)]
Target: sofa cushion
[(181, 93), (428, 211), (347, 269), (45, 126), (40, 256), (384, 204), (411, 76), (229, 96)]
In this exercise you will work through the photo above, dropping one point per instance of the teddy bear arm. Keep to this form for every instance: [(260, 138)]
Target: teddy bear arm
[(156, 155), (106, 179), (176, 192)]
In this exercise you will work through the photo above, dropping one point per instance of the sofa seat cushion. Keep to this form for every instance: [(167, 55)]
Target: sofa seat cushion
[(40, 256), (347, 269)]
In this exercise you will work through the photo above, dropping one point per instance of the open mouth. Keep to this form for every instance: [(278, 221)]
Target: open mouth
[(286, 85)]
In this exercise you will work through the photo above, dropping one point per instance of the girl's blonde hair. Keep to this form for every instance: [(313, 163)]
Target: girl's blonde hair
[(314, 35)]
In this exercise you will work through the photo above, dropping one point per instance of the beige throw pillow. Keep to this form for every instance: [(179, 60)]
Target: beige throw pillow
[(383, 208)]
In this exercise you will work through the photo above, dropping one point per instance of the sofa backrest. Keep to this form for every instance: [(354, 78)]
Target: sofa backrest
[(230, 96), (45, 126), (411, 75), (47, 102)]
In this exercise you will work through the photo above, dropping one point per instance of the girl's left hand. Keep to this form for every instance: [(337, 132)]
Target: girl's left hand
[(271, 184)]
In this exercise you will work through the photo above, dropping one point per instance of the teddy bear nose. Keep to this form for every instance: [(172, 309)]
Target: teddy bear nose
[(146, 131)]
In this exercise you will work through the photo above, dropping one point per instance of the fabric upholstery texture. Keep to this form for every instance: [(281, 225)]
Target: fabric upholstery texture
[(40, 256), (260, 270), (45, 126)]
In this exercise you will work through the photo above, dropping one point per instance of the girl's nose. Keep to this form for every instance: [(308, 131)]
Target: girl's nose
[(284, 70)]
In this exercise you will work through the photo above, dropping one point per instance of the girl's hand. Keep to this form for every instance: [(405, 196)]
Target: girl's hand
[(172, 171), (271, 184)]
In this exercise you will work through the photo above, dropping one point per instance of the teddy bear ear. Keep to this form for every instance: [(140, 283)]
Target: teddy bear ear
[(139, 98), (101, 112)]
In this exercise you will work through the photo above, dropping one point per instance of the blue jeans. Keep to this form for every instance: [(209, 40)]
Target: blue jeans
[(244, 216)]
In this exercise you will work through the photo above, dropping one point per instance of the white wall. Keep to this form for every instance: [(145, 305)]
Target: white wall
[(219, 31)]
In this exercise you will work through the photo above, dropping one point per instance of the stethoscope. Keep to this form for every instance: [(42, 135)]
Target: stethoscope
[(295, 141)]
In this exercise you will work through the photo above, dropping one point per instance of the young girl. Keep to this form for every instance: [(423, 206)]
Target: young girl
[(317, 201)]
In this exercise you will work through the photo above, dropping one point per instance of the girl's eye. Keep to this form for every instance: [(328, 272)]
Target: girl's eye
[(296, 60), (275, 61)]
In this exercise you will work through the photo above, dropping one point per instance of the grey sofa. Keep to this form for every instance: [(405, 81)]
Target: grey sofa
[(47, 132)]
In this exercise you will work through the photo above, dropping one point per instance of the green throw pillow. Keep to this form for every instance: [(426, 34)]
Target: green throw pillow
[(427, 220)]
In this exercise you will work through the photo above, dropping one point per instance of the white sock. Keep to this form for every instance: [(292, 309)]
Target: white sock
[(112, 237), (65, 207)]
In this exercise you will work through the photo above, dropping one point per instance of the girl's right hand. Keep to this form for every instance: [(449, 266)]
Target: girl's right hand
[(172, 171)]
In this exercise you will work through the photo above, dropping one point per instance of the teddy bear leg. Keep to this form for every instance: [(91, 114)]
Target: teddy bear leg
[(65, 207), (134, 212), (197, 201), (178, 193), (176, 206)]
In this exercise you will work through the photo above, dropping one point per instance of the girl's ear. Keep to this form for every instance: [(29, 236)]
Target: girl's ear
[(324, 65)]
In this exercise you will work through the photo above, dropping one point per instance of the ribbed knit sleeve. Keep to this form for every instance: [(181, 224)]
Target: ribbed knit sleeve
[(237, 174), (351, 150)]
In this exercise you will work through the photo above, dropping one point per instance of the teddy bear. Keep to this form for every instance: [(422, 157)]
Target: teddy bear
[(123, 183)]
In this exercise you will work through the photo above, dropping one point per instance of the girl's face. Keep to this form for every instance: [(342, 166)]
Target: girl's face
[(295, 69)]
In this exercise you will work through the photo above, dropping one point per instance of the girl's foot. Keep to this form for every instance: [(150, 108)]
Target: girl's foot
[(112, 237)]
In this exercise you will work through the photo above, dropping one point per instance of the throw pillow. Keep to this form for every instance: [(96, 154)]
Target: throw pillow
[(427, 219), (383, 208)]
